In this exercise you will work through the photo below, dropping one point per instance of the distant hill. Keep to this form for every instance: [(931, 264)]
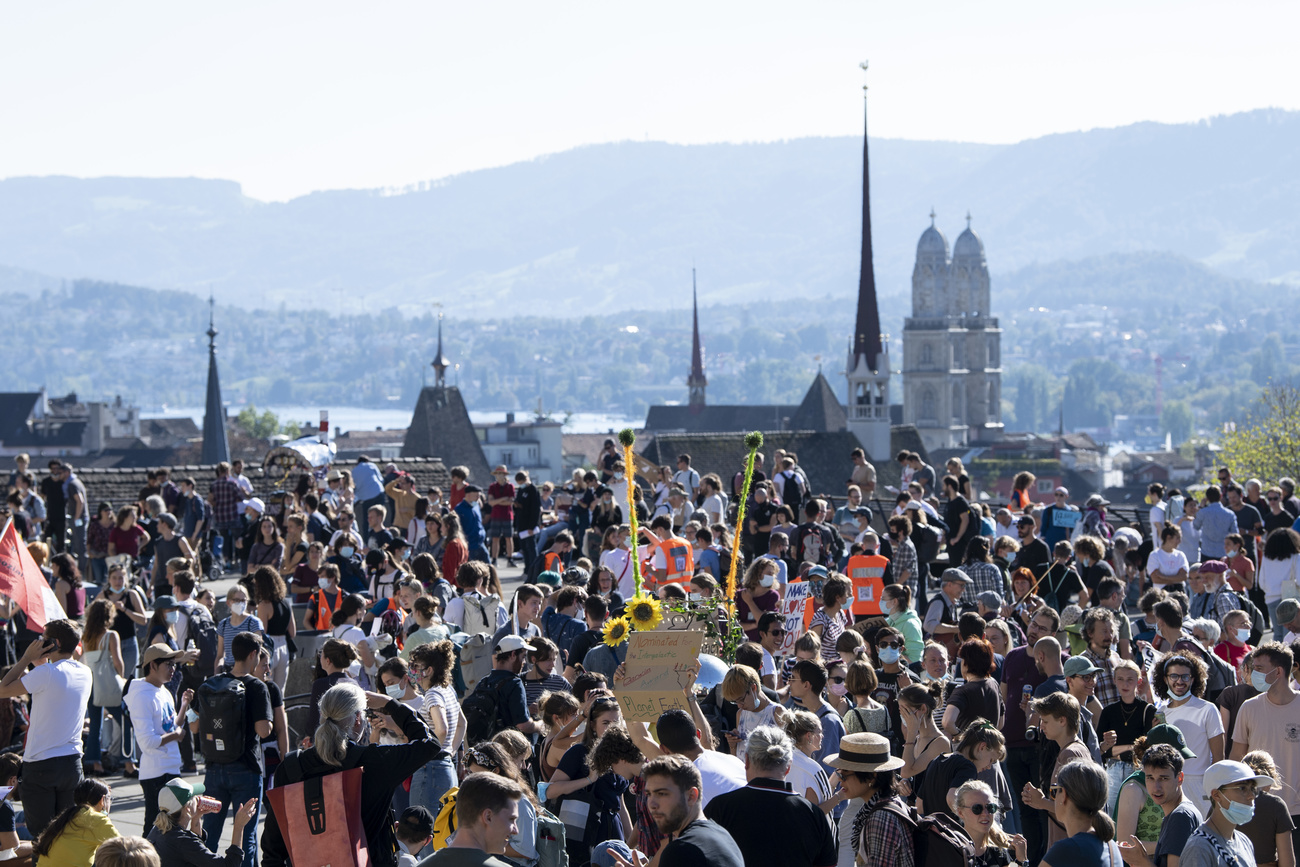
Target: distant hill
[(608, 227)]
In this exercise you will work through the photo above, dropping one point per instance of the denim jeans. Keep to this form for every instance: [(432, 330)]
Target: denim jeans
[(428, 785), (232, 784), (97, 714), (528, 547), (99, 570), (1021, 768)]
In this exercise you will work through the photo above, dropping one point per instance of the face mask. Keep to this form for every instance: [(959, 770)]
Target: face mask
[(1259, 680), (238, 607), (323, 583), (618, 477), (694, 597), (889, 655), (347, 552), (395, 691), (1148, 499), (406, 553), (1085, 562), (839, 689), (1243, 635), (173, 616), (1239, 814), (767, 580), (929, 678)]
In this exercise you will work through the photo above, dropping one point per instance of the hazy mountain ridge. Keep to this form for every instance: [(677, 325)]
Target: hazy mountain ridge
[(608, 227)]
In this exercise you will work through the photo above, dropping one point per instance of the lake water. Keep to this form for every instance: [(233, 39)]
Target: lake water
[(346, 418)]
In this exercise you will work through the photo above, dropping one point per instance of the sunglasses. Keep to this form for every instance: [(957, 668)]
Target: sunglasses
[(1274, 499), (776, 633), (897, 645), (978, 809), (1053, 791)]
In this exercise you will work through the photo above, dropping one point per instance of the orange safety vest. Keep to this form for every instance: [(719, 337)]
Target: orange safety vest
[(867, 572), (553, 562), (324, 611), (679, 560)]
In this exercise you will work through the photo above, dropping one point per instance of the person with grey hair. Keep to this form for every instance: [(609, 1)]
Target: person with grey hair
[(340, 742), (770, 823)]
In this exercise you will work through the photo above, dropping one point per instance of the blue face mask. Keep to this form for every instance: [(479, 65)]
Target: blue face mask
[(1259, 680), (347, 552), (1239, 814), (173, 616), (395, 691), (889, 655)]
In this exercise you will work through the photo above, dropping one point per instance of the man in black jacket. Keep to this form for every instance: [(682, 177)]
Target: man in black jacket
[(528, 518)]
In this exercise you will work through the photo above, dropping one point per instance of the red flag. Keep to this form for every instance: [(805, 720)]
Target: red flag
[(23, 582)]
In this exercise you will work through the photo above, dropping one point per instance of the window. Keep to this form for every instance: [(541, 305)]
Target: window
[(929, 411), (927, 355), (507, 457), (1046, 486)]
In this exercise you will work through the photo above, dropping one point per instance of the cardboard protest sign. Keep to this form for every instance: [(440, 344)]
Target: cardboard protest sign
[(659, 667), (792, 608)]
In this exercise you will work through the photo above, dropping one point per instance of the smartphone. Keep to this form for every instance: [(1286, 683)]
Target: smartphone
[(48, 646)]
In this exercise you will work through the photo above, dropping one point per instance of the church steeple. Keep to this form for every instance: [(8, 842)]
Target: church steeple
[(215, 446), (440, 362), (868, 363), (696, 382)]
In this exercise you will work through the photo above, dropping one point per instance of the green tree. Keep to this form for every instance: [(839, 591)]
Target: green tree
[(1176, 420), (263, 425), (1267, 444)]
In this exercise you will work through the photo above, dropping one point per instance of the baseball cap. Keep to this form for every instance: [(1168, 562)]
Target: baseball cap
[(511, 643), (1226, 773), (417, 822), (155, 652), (1077, 665), (165, 602), (550, 578), (1061, 489), (913, 504), (990, 599), (1171, 735), (256, 505), (176, 793), (1096, 500), (473, 489), (819, 571), (1287, 609), (1025, 520), (950, 575)]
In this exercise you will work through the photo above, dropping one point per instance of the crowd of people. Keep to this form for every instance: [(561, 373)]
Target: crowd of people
[(1031, 684)]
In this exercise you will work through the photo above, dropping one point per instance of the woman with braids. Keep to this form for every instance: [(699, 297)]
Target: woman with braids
[(1079, 797), (73, 837), (979, 747), (338, 745)]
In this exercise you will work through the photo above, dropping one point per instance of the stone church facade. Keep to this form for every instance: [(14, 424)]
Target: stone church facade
[(952, 359)]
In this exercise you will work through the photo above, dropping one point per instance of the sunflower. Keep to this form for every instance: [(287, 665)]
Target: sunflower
[(644, 612), (616, 631)]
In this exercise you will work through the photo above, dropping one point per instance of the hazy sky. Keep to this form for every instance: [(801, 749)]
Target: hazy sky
[(291, 97)]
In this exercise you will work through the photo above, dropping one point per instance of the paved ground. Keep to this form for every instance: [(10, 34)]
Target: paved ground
[(128, 803)]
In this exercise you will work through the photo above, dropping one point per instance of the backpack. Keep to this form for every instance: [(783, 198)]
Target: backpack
[(475, 662), (938, 840), (926, 541), (444, 823), (481, 613), (724, 563), (482, 710), (220, 703), (203, 632), (1252, 611), (792, 492), (551, 851), (320, 817), (562, 629)]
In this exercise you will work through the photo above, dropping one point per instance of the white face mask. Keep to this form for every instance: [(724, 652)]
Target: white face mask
[(395, 691), (238, 607), (767, 580), (323, 583)]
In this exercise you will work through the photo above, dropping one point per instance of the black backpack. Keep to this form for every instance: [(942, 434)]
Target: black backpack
[(938, 840), (203, 632), (482, 709), (792, 493), (221, 703), (1252, 611)]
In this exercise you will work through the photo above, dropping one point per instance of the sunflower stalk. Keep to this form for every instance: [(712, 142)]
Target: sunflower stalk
[(753, 441), (627, 437)]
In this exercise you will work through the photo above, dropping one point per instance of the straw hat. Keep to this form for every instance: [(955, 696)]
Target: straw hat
[(864, 752)]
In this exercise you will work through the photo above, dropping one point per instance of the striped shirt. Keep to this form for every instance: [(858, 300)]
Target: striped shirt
[(832, 629), (228, 631)]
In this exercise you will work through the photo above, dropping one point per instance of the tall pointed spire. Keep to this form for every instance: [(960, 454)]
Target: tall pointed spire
[(215, 446), (868, 364), (440, 362), (867, 344), (696, 381)]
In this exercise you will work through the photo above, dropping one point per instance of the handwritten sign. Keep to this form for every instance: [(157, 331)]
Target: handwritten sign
[(659, 668), (791, 609)]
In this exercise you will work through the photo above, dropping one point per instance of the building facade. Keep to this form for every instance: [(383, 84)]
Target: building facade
[(952, 346)]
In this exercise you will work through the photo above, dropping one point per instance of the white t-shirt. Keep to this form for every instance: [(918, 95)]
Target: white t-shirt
[(618, 562), (719, 773), (769, 664), (1191, 543), (688, 479), (1199, 721), (807, 773), (1166, 562), (153, 715), (60, 692), (715, 505), (1157, 514)]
